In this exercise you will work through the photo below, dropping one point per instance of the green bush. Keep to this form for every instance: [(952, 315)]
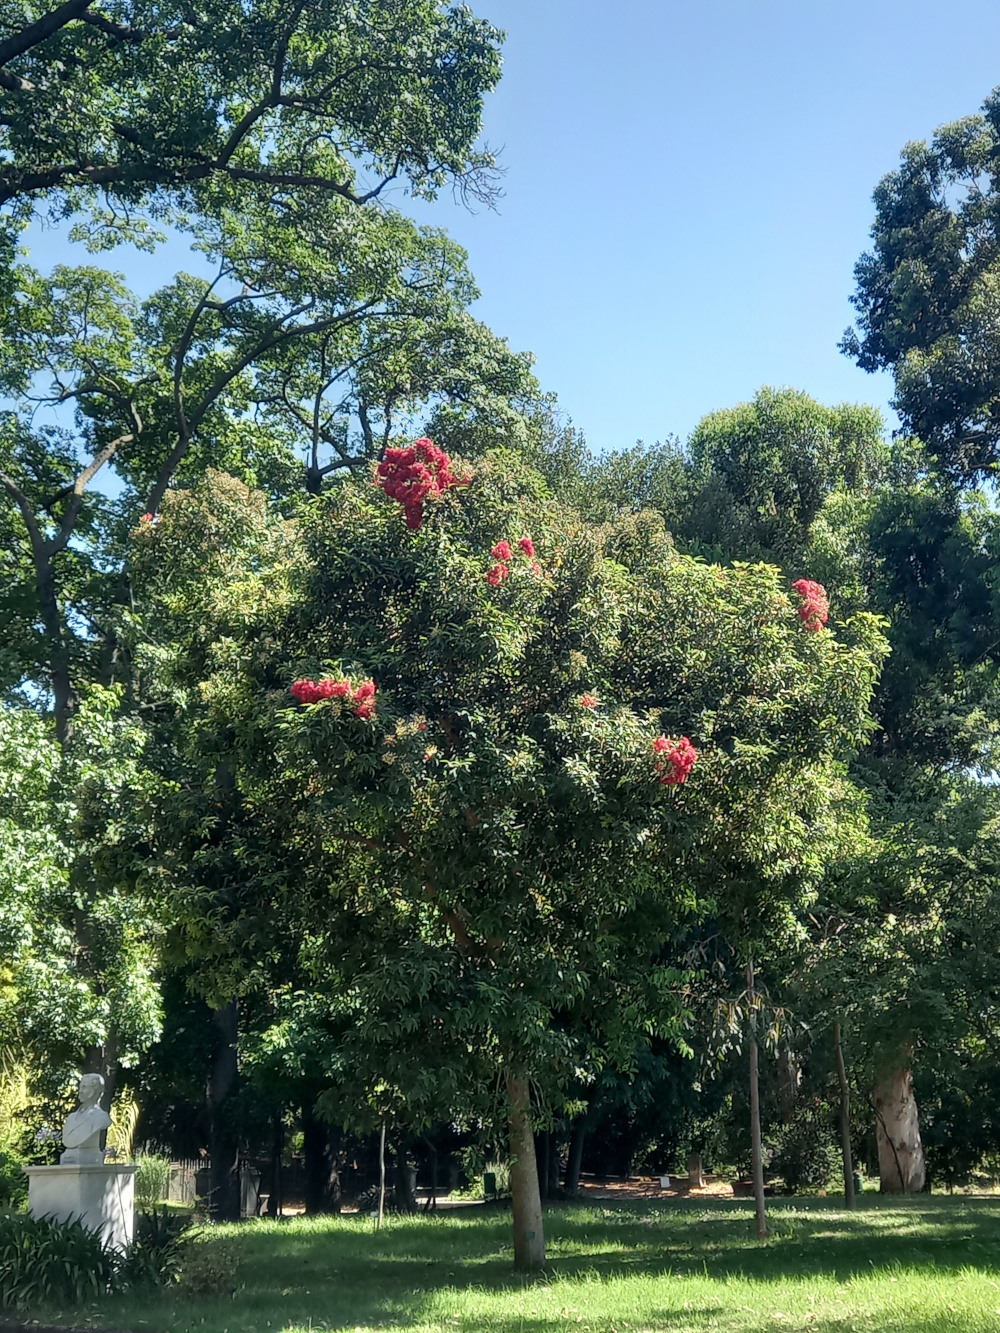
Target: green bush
[(208, 1269), (42, 1262), (13, 1181), (151, 1179), (806, 1155), (155, 1256)]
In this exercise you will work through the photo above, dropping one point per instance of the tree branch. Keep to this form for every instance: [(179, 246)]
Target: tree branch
[(42, 28), (113, 29), (61, 539)]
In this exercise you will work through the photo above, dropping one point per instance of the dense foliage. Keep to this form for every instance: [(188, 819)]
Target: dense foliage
[(372, 757)]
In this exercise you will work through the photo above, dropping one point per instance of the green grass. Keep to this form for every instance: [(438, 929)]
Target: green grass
[(919, 1265)]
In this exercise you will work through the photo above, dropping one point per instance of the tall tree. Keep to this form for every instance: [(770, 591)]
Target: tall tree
[(927, 292), (127, 103), (475, 796)]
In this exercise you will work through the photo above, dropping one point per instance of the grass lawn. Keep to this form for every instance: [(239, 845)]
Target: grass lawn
[(919, 1265)]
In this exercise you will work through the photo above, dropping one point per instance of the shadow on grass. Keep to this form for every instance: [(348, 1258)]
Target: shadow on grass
[(454, 1271)]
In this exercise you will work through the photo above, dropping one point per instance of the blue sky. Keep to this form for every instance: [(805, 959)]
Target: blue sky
[(688, 187)]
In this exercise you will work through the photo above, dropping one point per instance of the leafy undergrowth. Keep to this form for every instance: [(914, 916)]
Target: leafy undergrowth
[(919, 1265)]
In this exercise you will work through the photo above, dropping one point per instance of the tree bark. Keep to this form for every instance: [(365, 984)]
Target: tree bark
[(405, 1197), (845, 1120), (788, 1084), (757, 1157), (897, 1127), (696, 1172), (381, 1179), (274, 1200), (542, 1163), (224, 1200), (575, 1162), (529, 1234)]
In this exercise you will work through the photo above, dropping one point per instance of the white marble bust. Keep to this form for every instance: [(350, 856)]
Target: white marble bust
[(83, 1128)]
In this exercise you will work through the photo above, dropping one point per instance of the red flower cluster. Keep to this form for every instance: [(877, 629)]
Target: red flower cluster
[(587, 701), (503, 554), (410, 475), (364, 699), (311, 691), (674, 759), (815, 608), (146, 518)]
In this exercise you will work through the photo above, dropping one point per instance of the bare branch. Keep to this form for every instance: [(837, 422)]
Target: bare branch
[(61, 539), (27, 513), (113, 29)]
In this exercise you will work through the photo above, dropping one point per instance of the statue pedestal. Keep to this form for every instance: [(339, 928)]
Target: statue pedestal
[(101, 1197)]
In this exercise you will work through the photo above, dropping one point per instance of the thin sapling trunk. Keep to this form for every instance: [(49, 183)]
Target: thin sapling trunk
[(845, 1119), (757, 1157)]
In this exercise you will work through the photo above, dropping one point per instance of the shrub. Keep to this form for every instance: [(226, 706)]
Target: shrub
[(806, 1155), (43, 1262), (155, 1257), (151, 1179), (208, 1269), (13, 1181)]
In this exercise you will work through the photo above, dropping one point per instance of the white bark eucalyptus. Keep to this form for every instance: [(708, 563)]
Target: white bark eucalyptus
[(897, 1126)]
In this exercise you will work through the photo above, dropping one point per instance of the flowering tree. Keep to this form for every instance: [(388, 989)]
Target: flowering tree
[(493, 799)]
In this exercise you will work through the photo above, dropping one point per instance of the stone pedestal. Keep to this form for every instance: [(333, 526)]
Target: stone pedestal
[(101, 1197)]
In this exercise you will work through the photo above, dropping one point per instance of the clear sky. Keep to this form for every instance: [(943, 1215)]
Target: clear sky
[(688, 187)]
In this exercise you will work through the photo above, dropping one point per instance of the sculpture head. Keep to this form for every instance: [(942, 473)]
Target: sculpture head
[(89, 1089)]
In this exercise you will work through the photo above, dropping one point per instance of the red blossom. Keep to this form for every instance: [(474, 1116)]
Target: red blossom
[(527, 546), (421, 726), (312, 691), (678, 759), (587, 701), (305, 691), (497, 575), (502, 551), (146, 518), (815, 609), (536, 568), (413, 474)]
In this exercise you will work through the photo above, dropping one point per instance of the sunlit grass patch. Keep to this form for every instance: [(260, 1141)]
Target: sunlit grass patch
[(917, 1265)]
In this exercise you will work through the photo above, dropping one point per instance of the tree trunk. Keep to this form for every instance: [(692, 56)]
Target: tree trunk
[(845, 1120), (575, 1162), (381, 1179), (322, 1180), (405, 1198), (529, 1234), (63, 695), (897, 1128), (224, 1200), (542, 1142), (788, 1084), (274, 1199), (696, 1172), (552, 1190), (757, 1157)]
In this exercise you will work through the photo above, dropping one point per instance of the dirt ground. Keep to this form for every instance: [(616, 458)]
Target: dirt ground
[(648, 1187)]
